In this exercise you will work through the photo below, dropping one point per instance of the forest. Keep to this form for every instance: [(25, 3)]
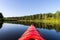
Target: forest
[(42, 17), (45, 20)]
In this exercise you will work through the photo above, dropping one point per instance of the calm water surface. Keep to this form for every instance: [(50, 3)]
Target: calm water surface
[(14, 31)]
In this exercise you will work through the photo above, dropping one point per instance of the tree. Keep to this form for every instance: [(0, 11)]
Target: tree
[(1, 16), (57, 14)]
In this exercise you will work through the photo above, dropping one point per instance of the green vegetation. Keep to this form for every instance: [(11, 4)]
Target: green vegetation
[(45, 20), (52, 18)]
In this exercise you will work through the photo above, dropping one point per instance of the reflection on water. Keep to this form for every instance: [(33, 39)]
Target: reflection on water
[(11, 31), (40, 25), (1, 23), (14, 31)]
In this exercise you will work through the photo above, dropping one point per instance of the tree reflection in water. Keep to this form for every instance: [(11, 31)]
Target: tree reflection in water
[(1, 23), (40, 25)]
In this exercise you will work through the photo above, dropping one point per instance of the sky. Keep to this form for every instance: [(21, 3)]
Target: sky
[(12, 8)]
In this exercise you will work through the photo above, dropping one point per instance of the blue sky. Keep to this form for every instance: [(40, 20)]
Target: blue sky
[(14, 8)]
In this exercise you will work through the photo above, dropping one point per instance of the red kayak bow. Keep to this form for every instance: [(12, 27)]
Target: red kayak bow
[(31, 34)]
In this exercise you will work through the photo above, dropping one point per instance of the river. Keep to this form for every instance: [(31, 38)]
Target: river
[(9, 31)]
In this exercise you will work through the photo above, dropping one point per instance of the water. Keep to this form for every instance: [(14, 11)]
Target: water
[(10, 31)]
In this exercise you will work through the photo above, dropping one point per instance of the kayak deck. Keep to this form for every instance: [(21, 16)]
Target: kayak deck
[(31, 34)]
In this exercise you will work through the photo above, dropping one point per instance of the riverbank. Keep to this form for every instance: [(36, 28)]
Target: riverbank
[(52, 21), (47, 21)]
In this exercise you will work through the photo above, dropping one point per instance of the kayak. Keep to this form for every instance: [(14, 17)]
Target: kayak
[(31, 34)]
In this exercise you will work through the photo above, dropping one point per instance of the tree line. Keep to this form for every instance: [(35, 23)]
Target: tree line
[(40, 16)]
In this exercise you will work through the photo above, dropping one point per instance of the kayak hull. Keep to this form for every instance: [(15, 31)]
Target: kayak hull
[(31, 34)]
